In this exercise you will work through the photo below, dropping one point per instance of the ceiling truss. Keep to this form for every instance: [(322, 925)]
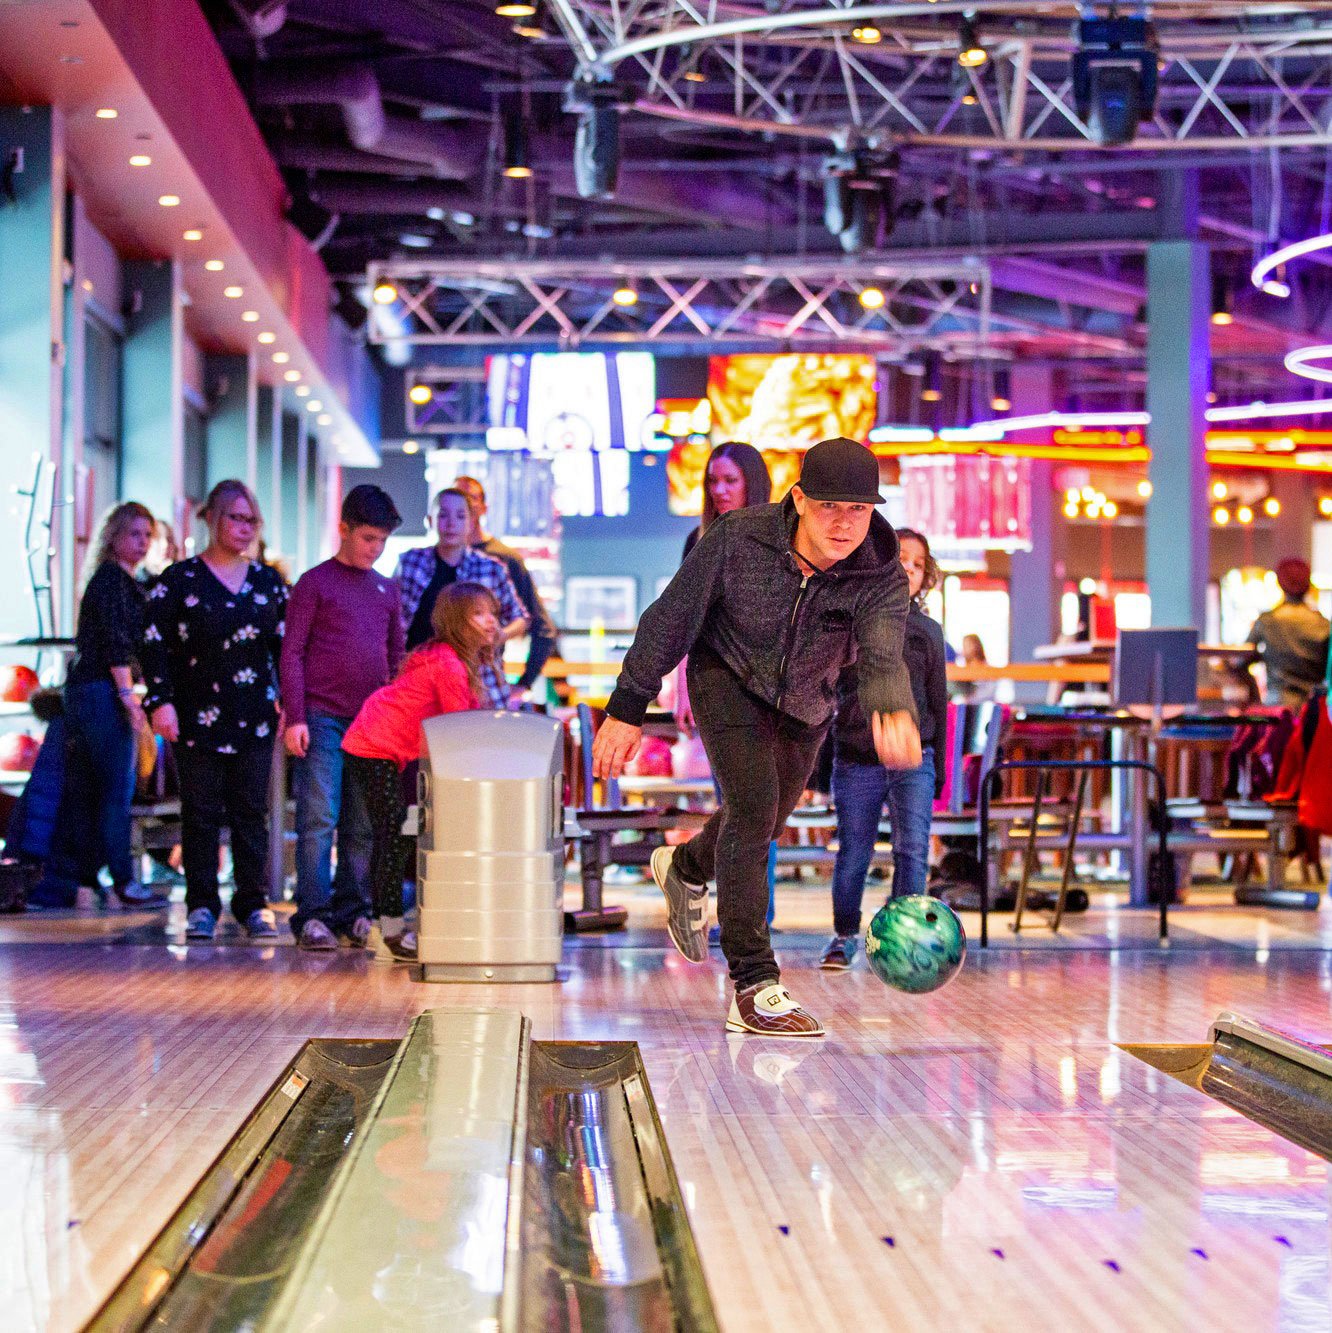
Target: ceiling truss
[(1257, 80), (688, 304)]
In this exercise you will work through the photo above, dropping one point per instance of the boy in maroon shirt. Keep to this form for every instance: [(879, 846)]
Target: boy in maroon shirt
[(344, 640)]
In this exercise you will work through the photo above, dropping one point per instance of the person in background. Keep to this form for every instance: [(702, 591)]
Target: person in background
[(735, 477), (103, 715), (1292, 638), (861, 783), (211, 645), (542, 638), (973, 654), (344, 641), (163, 551), (423, 573), (444, 675)]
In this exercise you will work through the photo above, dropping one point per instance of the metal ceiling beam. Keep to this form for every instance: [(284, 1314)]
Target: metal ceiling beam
[(782, 304)]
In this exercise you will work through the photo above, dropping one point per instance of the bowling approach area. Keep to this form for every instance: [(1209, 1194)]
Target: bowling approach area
[(1025, 1147)]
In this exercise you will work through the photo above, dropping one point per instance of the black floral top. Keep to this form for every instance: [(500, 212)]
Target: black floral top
[(214, 654)]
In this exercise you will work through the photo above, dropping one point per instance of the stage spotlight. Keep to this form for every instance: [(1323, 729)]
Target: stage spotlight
[(1221, 315), (420, 394), (1115, 77), (872, 298), (1001, 398), (597, 140), (857, 198), (385, 293)]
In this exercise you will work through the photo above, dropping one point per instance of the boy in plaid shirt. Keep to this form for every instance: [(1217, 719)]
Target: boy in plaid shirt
[(423, 573)]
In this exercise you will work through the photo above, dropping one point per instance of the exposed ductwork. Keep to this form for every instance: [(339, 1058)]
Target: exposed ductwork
[(451, 153)]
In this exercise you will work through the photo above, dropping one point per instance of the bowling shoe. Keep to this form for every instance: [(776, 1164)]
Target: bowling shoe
[(261, 924), (687, 907), (316, 937), (200, 924), (768, 1010), (839, 955)]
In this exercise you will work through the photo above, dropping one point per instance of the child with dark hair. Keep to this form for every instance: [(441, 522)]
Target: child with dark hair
[(444, 675), (861, 784), (344, 640)]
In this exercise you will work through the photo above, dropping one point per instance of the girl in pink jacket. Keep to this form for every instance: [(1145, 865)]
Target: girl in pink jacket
[(441, 676)]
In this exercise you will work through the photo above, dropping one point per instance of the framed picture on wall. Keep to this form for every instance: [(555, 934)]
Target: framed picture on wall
[(610, 601)]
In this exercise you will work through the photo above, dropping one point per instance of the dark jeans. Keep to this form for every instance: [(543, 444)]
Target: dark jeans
[(326, 804), (760, 759), (378, 783), (220, 791), (99, 788), (859, 793)]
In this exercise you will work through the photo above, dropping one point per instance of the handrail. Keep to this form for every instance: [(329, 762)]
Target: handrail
[(1066, 766)]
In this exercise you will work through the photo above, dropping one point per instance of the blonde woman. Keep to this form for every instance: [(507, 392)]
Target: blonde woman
[(103, 715), (212, 641)]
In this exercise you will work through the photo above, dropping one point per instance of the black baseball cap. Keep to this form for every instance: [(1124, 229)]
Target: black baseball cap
[(841, 469)]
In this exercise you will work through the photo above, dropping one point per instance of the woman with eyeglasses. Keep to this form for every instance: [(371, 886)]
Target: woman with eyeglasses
[(212, 641)]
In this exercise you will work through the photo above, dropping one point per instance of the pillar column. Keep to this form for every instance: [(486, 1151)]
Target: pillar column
[(32, 353), (232, 419), (153, 397), (1036, 581), (1179, 298)]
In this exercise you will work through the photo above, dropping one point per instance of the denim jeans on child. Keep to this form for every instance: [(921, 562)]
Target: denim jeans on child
[(325, 805), (859, 793)]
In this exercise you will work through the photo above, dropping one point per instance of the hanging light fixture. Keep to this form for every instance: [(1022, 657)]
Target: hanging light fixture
[(1001, 399), (517, 164), (970, 53)]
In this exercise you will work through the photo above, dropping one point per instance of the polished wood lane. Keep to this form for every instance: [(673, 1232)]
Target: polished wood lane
[(983, 1157)]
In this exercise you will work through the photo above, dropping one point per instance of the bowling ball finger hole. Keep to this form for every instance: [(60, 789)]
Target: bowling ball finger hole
[(931, 917)]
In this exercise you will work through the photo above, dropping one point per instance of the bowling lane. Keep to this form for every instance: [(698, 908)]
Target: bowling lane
[(985, 1154)]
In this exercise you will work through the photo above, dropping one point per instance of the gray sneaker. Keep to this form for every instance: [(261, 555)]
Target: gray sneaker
[(687, 907), (316, 937), (840, 953), (201, 924), (261, 924)]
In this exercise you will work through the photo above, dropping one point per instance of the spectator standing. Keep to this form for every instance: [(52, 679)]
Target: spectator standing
[(212, 642), (542, 638), (442, 676), (344, 640), (1292, 638), (861, 784), (424, 573), (103, 716)]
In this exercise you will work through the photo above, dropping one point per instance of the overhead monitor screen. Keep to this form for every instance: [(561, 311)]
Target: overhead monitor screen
[(791, 401), (565, 402)]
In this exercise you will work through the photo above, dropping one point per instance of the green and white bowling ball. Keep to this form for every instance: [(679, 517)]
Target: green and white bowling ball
[(915, 944)]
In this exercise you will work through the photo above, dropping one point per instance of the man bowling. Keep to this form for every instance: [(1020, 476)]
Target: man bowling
[(769, 607)]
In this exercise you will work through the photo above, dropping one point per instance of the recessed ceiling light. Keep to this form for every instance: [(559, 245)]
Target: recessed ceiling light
[(314, 405), (141, 160), (302, 390), (214, 265), (281, 358), (291, 376), (234, 293), (169, 200), (324, 419), (106, 113), (410, 447), (192, 234), (267, 337), (250, 316), (624, 296)]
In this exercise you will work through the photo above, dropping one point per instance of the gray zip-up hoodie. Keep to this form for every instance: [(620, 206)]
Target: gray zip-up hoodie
[(785, 634)]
